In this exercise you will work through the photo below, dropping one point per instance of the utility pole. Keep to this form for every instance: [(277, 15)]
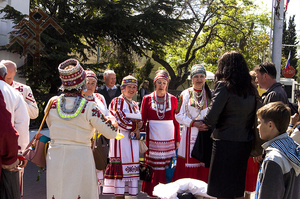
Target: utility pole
[(277, 36)]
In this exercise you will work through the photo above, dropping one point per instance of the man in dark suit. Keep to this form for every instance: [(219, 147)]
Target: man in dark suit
[(109, 90)]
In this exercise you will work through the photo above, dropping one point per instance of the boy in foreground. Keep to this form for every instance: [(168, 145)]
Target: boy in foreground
[(279, 173)]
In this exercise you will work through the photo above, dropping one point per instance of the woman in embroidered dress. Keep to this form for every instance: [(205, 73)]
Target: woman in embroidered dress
[(191, 109), (163, 131), (72, 120), (122, 174), (90, 95)]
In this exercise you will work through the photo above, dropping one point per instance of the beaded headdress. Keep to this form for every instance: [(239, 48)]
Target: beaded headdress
[(90, 73), (129, 80), (198, 69), (161, 74), (73, 78)]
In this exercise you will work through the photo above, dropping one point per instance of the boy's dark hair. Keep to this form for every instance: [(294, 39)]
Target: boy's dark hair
[(267, 67), (278, 112)]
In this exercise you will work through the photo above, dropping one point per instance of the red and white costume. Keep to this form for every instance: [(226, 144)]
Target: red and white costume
[(188, 167), (161, 135), (28, 97), (122, 174)]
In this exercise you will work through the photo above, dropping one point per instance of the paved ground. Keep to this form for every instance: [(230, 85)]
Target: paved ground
[(37, 189)]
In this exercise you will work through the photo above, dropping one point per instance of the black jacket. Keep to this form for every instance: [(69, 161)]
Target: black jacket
[(275, 93), (233, 116), (102, 90)]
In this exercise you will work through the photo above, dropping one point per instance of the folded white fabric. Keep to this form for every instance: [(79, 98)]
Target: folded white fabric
[(170, 190)]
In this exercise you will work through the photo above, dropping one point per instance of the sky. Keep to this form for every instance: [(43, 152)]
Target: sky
[(293, 9)]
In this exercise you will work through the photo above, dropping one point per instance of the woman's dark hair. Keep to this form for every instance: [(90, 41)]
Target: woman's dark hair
[(233, 70), (207, 90)]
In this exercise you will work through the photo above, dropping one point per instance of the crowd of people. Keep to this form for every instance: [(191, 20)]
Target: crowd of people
[(211, 132)]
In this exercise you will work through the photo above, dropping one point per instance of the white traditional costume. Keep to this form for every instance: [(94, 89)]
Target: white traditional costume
[(19, 115), (100, 101), (72, 120), (122, 174), (163, 131), (28, 97), (192, 106)]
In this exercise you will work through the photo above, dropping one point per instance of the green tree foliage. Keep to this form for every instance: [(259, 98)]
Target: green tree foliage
[(290, 38), (219, 26), (127, 25)]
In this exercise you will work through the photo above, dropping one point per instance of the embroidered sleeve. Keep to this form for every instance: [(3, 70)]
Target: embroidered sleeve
[(32, 107), (101, 123), (176, 124), (181, 114)]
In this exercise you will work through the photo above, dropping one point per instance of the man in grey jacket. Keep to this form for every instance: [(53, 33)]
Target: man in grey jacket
[(266, 77)]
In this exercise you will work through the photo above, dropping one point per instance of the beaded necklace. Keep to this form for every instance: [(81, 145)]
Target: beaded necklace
[(198, 98), (71, 113), (198, 105), (160, 106), (89, 97)]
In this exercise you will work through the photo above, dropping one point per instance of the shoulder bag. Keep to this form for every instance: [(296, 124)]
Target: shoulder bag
[(36, 150)]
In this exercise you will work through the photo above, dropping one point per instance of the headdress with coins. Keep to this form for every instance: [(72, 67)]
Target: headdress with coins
[(72, 77), (198, 69)]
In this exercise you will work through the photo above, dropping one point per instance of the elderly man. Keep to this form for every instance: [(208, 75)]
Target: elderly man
[(266, 77), (25, 90), (109, 90), (16, 105)]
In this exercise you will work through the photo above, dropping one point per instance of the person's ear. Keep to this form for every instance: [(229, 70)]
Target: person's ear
[(271, 125)]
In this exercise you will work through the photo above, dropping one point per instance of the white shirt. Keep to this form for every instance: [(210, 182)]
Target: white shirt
[(19, 115)]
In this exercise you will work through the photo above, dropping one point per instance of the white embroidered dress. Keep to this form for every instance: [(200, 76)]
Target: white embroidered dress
[(187, 114), (70, 163), (125, 151)]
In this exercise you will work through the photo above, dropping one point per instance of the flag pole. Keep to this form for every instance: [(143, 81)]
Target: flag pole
[(271, 30)]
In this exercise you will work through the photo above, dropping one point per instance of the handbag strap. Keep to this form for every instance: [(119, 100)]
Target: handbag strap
[(46, 114), (95, 140)]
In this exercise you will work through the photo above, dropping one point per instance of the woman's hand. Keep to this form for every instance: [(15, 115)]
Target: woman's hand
[(22, 163), (139, 125), (113, 120), (177, 145), (137, 134), (11, 167), (200, 126), (257, 159), (294, 119)]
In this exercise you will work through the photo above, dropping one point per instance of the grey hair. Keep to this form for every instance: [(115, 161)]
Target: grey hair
[(3, 70), (108, 72), (4, 62)]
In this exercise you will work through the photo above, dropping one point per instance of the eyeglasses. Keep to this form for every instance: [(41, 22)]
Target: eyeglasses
[(262, 66)]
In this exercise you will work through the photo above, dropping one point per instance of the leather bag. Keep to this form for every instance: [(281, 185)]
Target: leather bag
[(36, 150), (145, 172), (100, 151)]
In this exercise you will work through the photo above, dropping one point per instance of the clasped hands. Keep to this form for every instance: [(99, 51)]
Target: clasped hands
[(200, 125), (19, 163), (139, 124)]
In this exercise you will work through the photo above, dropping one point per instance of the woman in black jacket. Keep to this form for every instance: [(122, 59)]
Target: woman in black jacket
[(232, 111)]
